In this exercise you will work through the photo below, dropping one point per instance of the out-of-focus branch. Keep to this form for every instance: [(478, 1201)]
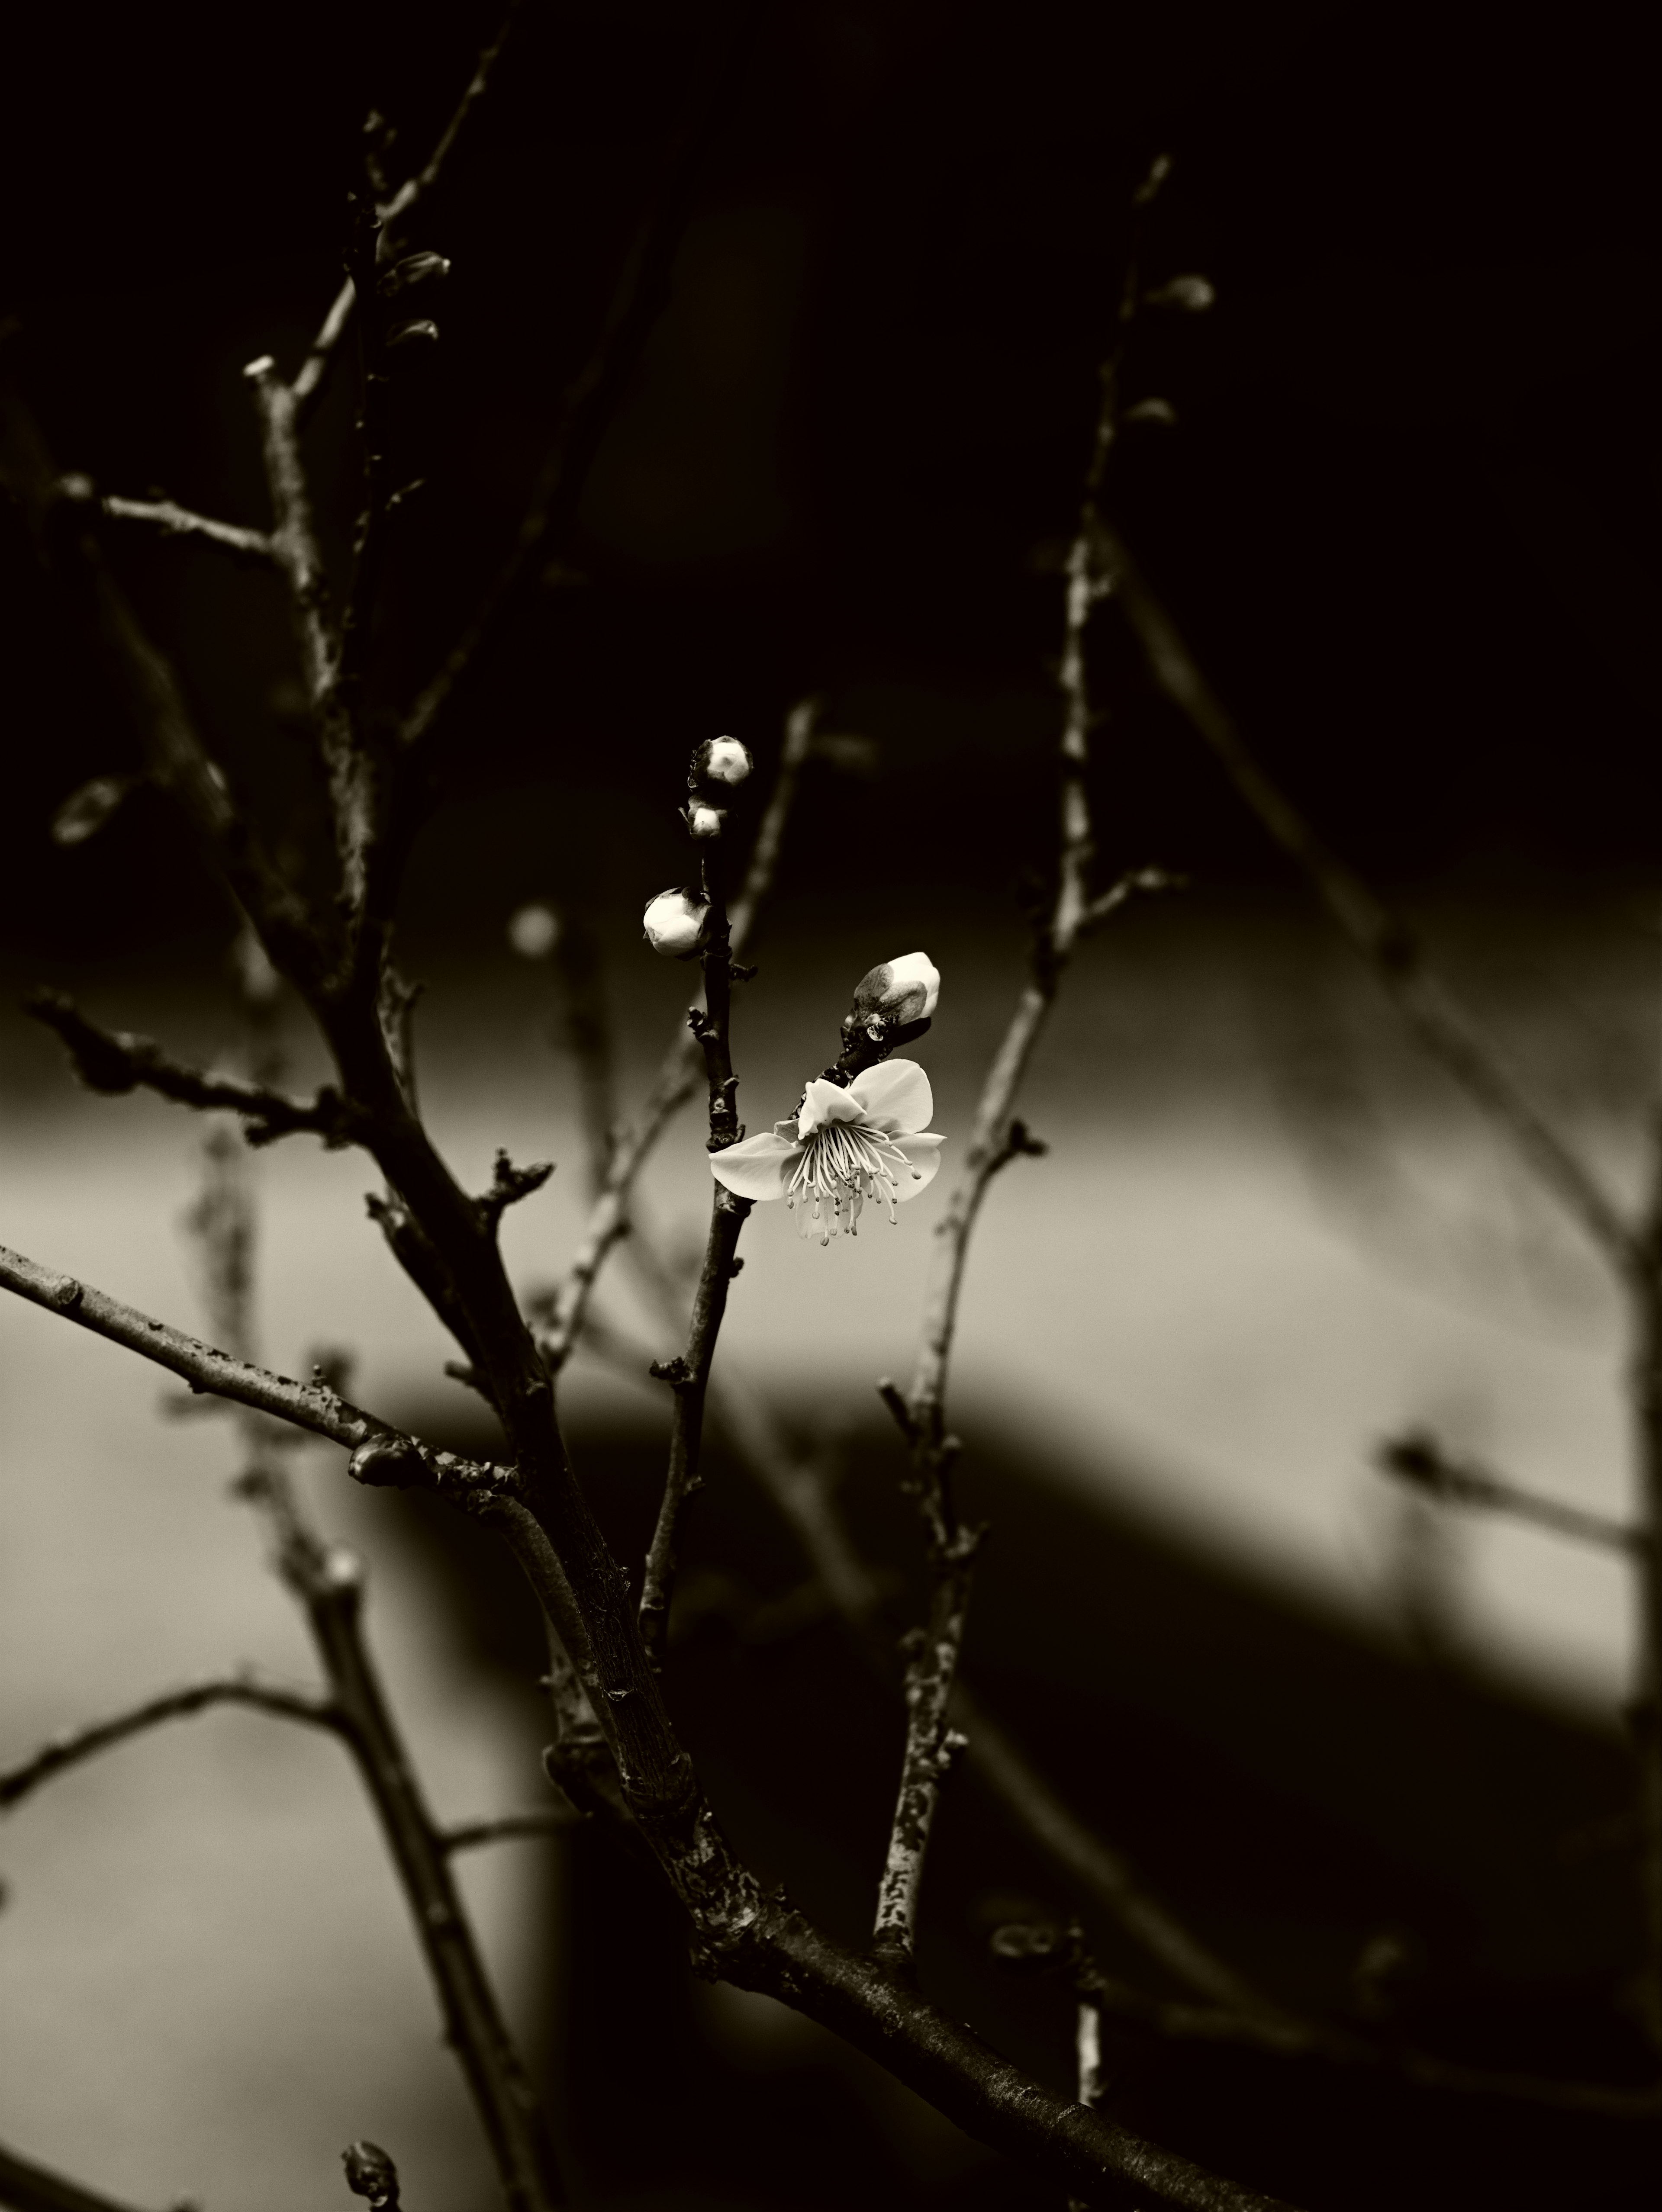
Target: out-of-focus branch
[(507, 1828), (382, 1455), (115, 1060), (1419, 1461), (27, 2187), (75, 1745), (172, 520), (678, 1076), (1382, 938), (640, 293), (308, 384), (1646, 1401)]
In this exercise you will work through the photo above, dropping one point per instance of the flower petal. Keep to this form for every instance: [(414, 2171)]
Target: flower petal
[(923, 1151), (894, 1094), (755, 1168), (824, 1102)]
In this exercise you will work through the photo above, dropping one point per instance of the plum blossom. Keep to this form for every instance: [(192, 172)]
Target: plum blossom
[(841, 1148)]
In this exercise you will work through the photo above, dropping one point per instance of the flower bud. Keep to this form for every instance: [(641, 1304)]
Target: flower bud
[(898, 993), (676, 923), (704, 820), (414, 269), (722, 760)]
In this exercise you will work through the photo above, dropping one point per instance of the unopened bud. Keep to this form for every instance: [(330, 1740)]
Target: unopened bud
[(676, 923), (370, 2173), (534, 930), (704, 820), (722, 760), (1189, 294), (401, 334), (85, 811), (898, 993), (1153, 410), (414, 269)]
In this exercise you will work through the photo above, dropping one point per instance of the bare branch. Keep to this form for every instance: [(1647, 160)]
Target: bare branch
[(1072, 907), (931, 1749), (1420, 1461), (308, 384), (61, 512), (1382, 938), (380, 1455), (506, 1829), (510, 1184), (691, 1382), (172, 520), (28, 2187), (115, 1060), (245, 1688)]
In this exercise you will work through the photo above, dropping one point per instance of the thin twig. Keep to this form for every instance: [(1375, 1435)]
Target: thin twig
[(689, 1379), (678, 1076), (1073, 910), (1383, 939), (308, 384), (75, 1745), (61, 512), (1419, 1459), (115, 1060), (381, 1455), (172, 520), (507, 1828)]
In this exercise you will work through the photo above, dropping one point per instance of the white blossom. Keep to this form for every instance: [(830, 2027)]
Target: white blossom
[(676, 923), (841, 1148)]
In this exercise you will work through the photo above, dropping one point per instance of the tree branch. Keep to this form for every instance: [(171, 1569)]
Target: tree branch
[(689, 1379), (505, 1828), (308, 385), (1073, 909), (115, 1060), (382, 1455), (171, 520), (1419, 1461), (246, 1688), (1381, 937), (931, 1749), (61, 512)]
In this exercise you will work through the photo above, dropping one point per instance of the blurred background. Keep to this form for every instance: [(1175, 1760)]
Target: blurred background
[(1405, 516)]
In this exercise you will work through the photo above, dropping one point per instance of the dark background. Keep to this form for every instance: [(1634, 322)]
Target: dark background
[(1405, 519)]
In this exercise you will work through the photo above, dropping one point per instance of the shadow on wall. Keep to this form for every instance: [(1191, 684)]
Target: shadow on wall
[(1298, 1793)]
